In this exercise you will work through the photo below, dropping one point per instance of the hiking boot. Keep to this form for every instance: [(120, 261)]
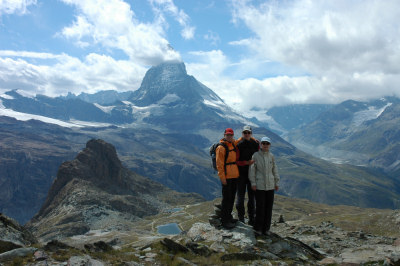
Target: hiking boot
[(228, 225), (267, 233), (257, 233), (251, 222)]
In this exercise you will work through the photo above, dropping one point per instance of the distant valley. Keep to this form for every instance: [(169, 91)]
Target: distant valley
[(354, 132)]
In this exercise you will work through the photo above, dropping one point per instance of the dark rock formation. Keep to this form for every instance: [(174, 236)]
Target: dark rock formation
[(13, 235), (94, 191)]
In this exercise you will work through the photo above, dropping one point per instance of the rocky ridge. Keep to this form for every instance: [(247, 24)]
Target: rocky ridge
[(94, 191), (291, 242)]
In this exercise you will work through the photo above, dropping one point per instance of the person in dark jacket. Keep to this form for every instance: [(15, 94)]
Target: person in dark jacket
[(247, 146)]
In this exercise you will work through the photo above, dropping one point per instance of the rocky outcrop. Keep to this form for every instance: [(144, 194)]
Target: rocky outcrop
[(94, 191), (14, 239), (13, 235)]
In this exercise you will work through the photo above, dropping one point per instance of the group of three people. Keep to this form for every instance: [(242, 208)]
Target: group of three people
[(244, 166)]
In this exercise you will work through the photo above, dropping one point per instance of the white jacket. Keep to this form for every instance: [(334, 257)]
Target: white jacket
[(263, 173)]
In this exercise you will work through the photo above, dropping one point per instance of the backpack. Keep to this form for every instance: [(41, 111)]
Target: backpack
[(213, 154)]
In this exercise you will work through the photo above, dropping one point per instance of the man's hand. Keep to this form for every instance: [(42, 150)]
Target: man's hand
[(276, 188), (223, 181), (254, 188), (250, 162)]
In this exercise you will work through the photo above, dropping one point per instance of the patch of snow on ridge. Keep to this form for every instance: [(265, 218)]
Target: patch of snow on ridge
[(105, 109), (261, 115), (216, 104), (6, 96), (369, 114), (25, 117), (25, 94), (89, 124), (169, 98), (1, 105)]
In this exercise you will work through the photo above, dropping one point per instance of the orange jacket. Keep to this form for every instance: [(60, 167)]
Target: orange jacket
[(232, 170)]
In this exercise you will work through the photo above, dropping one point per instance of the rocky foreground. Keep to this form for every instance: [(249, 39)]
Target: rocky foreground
[(289, 243)]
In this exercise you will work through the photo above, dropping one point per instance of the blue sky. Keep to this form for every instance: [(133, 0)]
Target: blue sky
[(252, 53)]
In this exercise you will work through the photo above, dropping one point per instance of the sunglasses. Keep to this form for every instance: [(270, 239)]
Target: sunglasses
[(228, 134), (246, 132), (265, 143)]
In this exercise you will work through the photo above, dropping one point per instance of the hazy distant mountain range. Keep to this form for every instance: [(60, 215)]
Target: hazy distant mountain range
[(161, 131), (363, 133)]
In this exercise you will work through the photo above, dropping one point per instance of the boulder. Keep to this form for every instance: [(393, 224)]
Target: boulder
[(84, 260), (173, 246), (16, 253), (242, 235), (7, 246), (13, 234), (246, 256), (199, 249), (99, 246), (55, 245)]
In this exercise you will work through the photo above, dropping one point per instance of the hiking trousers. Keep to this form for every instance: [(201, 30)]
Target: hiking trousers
[(228, 199), (264, 203), (243, 185)]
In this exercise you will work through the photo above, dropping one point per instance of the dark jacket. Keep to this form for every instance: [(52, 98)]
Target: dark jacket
[(246, 150)]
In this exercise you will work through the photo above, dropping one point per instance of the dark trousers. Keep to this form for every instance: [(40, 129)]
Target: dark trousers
[(228, 199), (264, 203), (243, 185)]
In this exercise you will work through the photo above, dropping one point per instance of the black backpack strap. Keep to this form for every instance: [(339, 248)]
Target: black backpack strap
[(227, 154)]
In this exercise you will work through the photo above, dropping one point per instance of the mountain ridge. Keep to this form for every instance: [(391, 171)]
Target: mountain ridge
[(94, 191)]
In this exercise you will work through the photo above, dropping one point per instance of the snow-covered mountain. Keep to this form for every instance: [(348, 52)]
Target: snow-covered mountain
[(364, 133), (167, 97)]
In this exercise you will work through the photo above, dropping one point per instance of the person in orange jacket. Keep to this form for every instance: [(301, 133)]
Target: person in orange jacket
[(228, 173)]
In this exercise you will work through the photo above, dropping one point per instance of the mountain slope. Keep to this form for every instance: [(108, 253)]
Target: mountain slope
[(359, 132), (94, 191), (30, 155), (290, 117)]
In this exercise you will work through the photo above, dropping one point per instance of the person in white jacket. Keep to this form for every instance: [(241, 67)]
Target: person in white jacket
[(264, 178)]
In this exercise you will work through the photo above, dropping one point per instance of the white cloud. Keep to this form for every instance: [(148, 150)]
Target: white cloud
[(68, 74), (349, 49), (210, 65), (168, 6), (15, 6), (112, 24), (28, 54), (213, 37)]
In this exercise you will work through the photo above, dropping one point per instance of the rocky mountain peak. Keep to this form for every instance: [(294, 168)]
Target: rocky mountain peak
[(169, 82), (100, 158), (168, 70), (98, 163), (94, 191)]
